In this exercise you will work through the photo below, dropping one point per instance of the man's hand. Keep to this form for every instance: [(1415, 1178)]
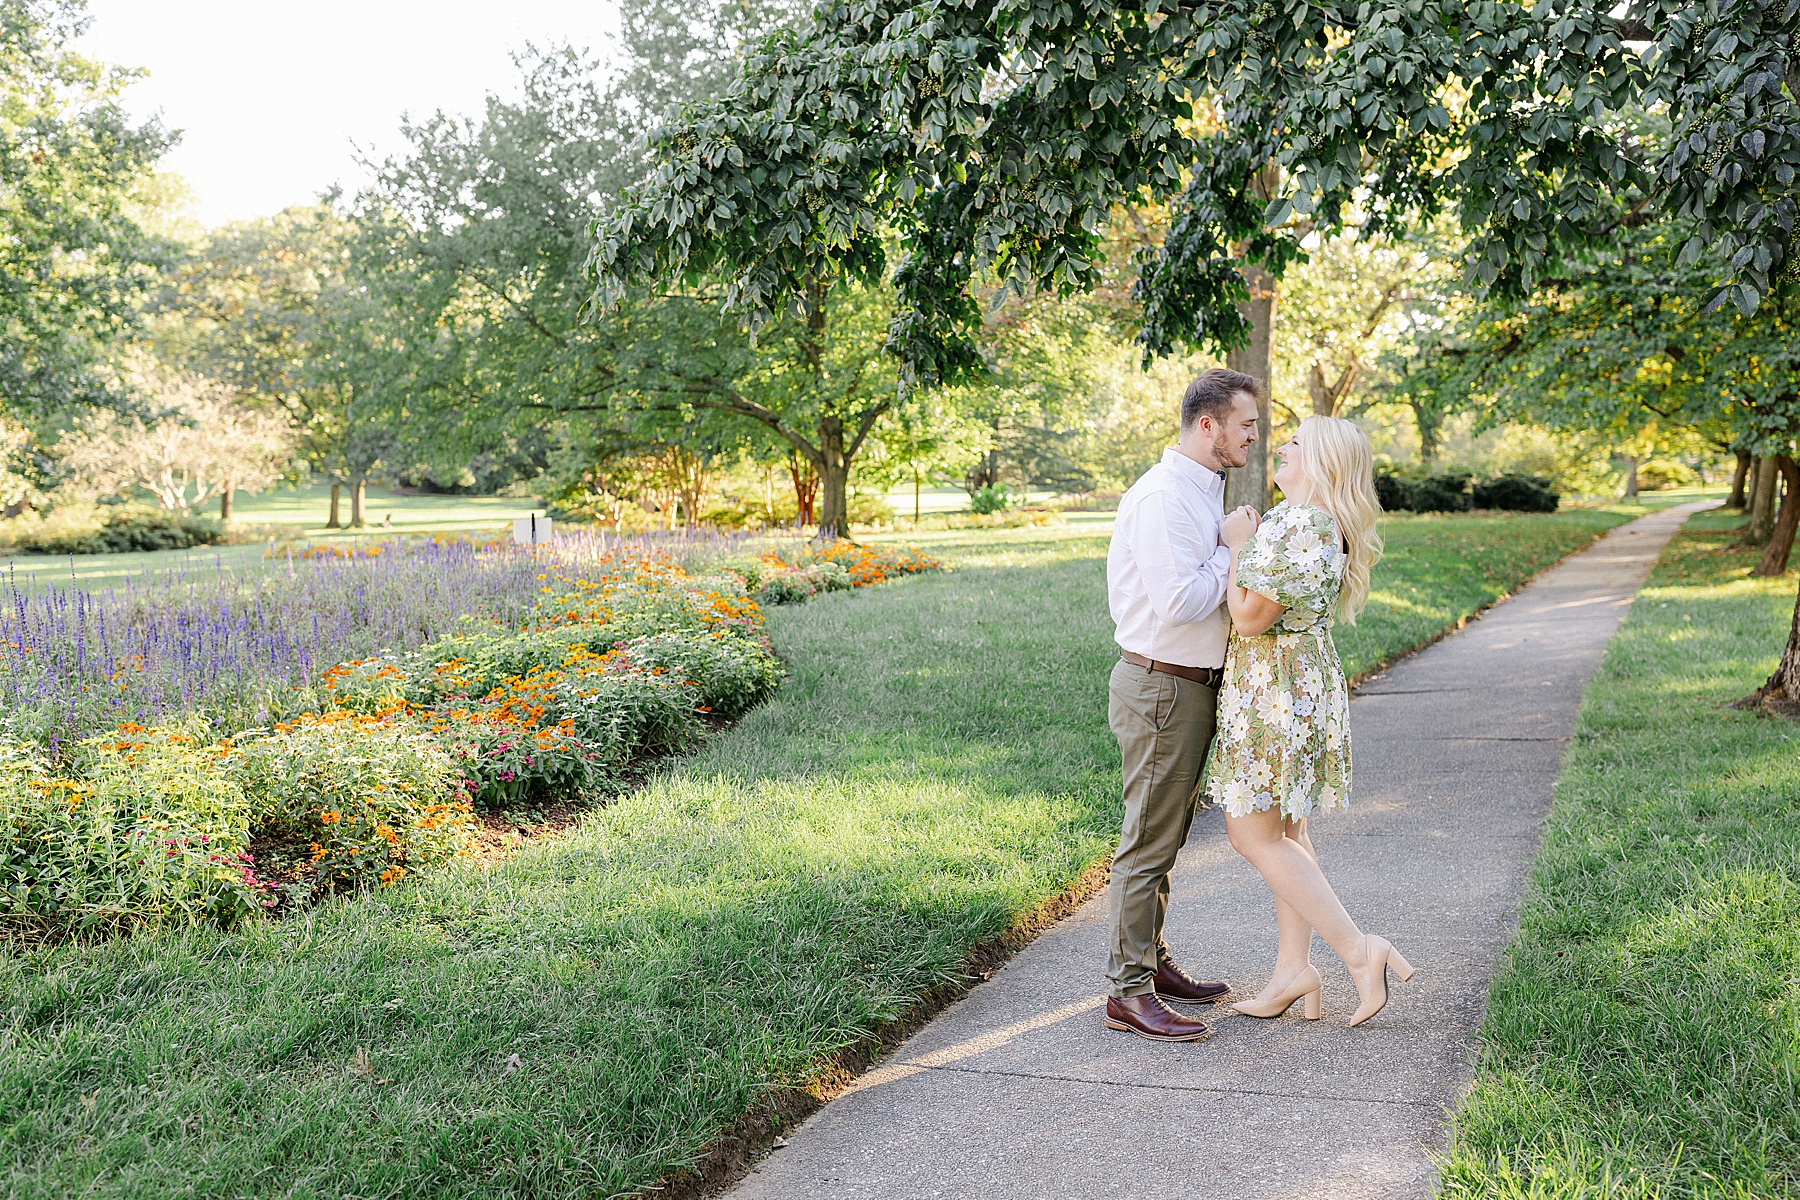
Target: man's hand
[(1238, 527)]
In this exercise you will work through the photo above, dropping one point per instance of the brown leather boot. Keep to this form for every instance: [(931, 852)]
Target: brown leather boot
[(1149, 1017), (1173, 983)]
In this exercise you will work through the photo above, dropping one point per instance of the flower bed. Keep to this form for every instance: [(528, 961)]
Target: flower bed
[(183, 761)]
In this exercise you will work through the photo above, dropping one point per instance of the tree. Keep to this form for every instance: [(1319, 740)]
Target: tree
[(1627, 343), (198, 442), (302, 313), (74, 260), (1349, 306), (1002, 135), (494, 210)]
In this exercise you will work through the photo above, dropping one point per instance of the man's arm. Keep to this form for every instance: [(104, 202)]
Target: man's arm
[(1184, 567)]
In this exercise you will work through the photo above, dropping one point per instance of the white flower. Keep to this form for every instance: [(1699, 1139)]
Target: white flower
[(1259, 675), (1240, 725), (1312, 682), (1276, 709), (1235, 796), (1261, 775), (1329, 798), (1303, 707)]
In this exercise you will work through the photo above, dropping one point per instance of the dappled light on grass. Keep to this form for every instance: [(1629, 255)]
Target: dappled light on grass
[(1642, 1033)]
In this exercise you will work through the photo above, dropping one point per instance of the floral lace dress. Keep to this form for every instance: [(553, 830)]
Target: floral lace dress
[(1284, 710)]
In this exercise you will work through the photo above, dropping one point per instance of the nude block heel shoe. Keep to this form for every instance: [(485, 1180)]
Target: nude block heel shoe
[(1382, 955), (1307, 984)]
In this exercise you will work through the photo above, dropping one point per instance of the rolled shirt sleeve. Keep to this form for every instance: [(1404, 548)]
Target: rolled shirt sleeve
[(1183, 582)]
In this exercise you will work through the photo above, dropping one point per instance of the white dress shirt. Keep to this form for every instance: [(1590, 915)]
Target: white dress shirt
[(1166, 572)]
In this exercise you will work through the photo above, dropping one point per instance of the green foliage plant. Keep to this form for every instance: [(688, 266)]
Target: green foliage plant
[(79, 262), (1516, 493), (350, 800), (1661, 473), (991, 498), (124, 530), (149, 829)]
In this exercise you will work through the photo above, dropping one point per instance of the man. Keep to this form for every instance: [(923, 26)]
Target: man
[(1166, 576)]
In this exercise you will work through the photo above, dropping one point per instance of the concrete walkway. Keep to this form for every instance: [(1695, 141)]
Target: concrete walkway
[(1019, 1091)]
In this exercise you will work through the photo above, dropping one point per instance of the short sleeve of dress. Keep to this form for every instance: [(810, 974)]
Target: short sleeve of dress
[(1288, 559)]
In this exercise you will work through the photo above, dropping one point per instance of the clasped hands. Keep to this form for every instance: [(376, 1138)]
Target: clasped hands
[(1238, 527)]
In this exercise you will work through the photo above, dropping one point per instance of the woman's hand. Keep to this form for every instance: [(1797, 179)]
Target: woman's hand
[(1252, 613), (1238, 527)]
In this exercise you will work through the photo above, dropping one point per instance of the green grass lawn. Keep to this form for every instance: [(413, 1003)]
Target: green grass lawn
[(937, 764), (306, 510), (1643, 1039)]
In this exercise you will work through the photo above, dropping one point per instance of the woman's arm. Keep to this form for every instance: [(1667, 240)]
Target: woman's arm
[(1251, 612)]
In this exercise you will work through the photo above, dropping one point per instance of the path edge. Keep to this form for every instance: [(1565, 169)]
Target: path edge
[(731, 1155), (1475, 614), (736, 1151)]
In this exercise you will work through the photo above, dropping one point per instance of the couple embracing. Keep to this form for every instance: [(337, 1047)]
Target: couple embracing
[(1228, 687)]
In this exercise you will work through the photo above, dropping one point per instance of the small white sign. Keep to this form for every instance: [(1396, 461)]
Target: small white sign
[(531, 531)]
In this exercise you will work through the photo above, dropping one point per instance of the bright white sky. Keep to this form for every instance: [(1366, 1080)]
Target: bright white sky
[(270, 95)]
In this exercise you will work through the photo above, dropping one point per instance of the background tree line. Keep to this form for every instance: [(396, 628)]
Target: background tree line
[(768, 255)]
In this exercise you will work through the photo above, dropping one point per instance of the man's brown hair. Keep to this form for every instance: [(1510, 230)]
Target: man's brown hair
[(1211, 394)]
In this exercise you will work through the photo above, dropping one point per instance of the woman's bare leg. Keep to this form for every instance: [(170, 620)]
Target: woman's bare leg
[(1293, 952), (1293, 874)]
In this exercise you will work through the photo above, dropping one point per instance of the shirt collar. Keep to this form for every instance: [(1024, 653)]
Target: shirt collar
[(1212, 482)]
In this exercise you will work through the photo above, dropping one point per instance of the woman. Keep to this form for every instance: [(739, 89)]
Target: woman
[(1283, 746)]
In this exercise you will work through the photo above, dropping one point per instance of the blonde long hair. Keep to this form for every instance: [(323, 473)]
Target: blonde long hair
[(1336, 460)]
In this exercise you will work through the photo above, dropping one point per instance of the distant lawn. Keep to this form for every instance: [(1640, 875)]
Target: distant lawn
[(308, 508), (1644, 1038), (937, 764)]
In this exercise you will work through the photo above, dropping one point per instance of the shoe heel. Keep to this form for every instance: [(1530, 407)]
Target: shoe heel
[(1315, 1004), (1402, 968)]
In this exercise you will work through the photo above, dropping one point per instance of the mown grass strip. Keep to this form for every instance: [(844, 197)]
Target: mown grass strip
[(1643, 1038), (591, 1014)]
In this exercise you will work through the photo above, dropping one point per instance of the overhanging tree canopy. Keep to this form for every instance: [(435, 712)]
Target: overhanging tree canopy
[(1000, 135)]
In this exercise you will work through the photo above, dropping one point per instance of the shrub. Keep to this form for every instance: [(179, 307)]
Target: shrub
[(1660, 473), (148, 829), (791, 586), (990, 498), (1395, 493), (346, 799), (124, 530), (1442, 493), (1519, 493), (731, 674)]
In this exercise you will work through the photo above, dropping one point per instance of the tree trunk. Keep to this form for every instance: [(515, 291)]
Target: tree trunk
[(915, 495), (337, 490), (1631, 479), (1781, 538), (357, 489), (1762, 504), (806, 488), (1431, 424), (226, 494), (834, 481), (1784, 684), (1249, 484), (1739, 475)]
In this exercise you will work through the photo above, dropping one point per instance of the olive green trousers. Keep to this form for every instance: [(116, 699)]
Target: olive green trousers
[(1165, 727)]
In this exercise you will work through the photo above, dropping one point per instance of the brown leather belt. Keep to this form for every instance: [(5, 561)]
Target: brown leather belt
[(1210, 676)]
